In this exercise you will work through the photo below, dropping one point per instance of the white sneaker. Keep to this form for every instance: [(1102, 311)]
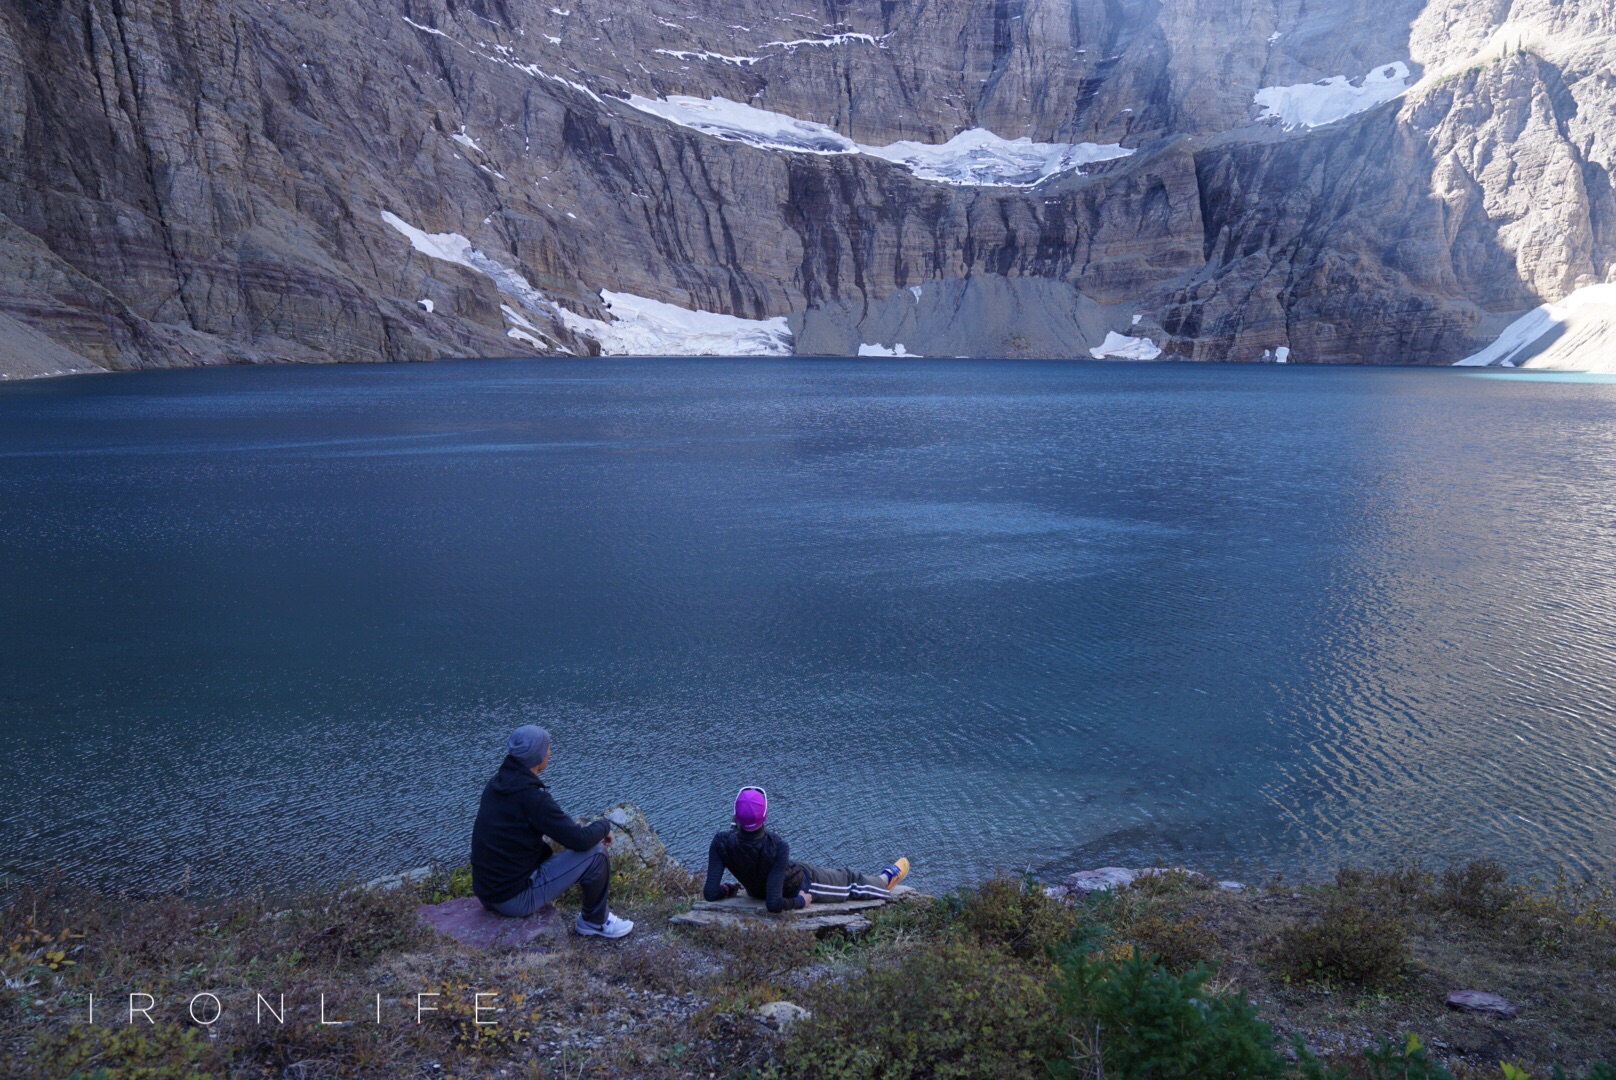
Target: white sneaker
[(614, 928)]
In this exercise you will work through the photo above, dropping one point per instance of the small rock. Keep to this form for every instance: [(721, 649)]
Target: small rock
[(781, 1016), (1231, 886), (1476, 1001), (394, 881)]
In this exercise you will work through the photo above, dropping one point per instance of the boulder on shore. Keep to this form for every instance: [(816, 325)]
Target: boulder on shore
[(1084, 882), (781, 1016), (1478, 1001), (635, 843)]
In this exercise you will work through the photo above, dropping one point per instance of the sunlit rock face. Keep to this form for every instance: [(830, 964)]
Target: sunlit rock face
[(1376, 181)]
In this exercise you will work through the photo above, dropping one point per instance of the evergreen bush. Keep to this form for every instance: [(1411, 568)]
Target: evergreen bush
[(1132, 1019)]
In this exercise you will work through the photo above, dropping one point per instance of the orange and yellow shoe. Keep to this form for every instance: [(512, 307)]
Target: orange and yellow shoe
[(896, 872)]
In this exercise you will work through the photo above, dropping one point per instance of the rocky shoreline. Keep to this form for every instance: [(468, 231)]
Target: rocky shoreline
[(1451, 972)]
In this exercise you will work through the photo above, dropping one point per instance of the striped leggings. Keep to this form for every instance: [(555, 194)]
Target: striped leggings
[(831, 886)]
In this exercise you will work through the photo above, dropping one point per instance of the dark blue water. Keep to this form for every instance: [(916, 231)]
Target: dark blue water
[(268, 626)]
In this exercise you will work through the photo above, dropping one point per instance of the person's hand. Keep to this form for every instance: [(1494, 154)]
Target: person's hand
[(807, 899), (608, 840)]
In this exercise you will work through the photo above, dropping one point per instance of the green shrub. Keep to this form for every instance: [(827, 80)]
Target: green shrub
[(1179, 943), (1170, 882), (1349, 942), (161, 1052), (1015, 915), (1132, 1019), (446, 883), (1405, 887), (917, 918), (1567, 915), (1388, 1061), (1479, 889), (951, 1010), (634, 879), (1604, 1070)]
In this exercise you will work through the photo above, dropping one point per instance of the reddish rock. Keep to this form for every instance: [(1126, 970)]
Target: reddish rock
[(467, 922)]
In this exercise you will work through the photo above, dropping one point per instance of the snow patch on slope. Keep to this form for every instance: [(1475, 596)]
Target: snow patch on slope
[(725, 119), (454, 248), (646, 327), (723, 58), (1122, 347), (977, 157), (640, 326), (788, 46), (882, 350), (1584, 325), (832, 40), (980, 158), (1313, 105)]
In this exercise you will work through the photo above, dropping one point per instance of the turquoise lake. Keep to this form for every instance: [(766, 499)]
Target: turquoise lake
[(269, 626)]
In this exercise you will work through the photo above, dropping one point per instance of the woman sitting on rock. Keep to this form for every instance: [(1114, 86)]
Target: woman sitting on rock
[(761, 862)]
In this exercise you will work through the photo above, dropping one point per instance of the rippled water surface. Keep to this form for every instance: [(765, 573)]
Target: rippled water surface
[(271, 625)]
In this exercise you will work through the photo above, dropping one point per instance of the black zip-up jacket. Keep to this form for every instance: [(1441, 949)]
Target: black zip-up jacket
[(760, 861), (507, 840)]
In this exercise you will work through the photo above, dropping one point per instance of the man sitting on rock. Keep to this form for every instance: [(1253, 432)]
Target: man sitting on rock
[(761, 862), (513, 870)]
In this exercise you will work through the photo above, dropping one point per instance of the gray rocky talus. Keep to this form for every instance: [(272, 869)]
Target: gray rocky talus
[(187, 183)]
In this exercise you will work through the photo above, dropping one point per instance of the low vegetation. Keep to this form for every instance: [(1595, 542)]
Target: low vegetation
[(1171, 978)]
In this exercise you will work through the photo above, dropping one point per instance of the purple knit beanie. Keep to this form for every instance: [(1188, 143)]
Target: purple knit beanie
[(751, 808)]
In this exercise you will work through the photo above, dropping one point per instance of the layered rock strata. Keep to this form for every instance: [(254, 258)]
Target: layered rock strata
[(205, 181)]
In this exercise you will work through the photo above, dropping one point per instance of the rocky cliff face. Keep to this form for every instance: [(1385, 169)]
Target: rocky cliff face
[(200, 181)]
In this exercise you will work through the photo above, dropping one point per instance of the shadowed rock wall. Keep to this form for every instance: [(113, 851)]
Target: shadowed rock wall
[(197, 181)]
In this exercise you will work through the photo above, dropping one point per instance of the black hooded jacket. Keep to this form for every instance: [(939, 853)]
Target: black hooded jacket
[(760, 861), (507, 841)]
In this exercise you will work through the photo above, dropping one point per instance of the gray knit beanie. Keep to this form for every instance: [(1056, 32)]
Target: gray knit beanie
[(528, 744)]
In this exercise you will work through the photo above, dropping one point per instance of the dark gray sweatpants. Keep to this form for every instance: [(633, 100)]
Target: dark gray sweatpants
[(831, 886), (591, 870)]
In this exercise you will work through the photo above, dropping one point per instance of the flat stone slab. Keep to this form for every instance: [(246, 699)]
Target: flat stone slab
[(808, 924), (1477, 1001), (467, 922), (748, 913)]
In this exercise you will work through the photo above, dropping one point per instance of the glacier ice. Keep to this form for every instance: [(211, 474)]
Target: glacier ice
[(1585, 327), (1313, 105), (1122, 347), (976, 157)]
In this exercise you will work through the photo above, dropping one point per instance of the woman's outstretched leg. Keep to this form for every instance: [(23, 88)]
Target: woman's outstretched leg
[(828, 885)]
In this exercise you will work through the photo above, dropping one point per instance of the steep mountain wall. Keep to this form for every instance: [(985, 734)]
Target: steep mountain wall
[(200, 181)]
